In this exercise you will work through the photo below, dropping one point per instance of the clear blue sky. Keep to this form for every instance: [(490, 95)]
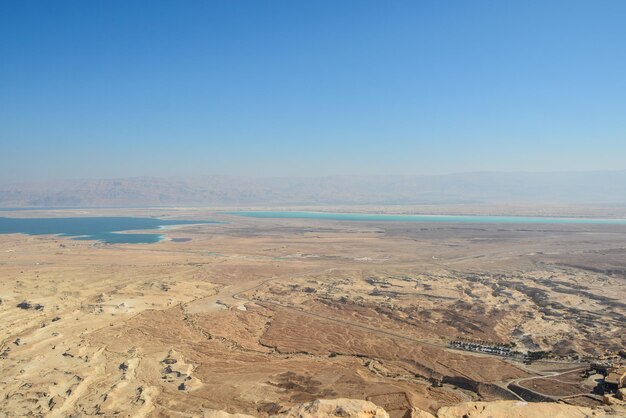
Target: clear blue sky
[(127, 88)]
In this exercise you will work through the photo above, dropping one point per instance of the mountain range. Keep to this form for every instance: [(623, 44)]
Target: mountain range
[(599, 187)]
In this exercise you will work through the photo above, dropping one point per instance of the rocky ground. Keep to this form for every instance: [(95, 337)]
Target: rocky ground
[(262, 317)]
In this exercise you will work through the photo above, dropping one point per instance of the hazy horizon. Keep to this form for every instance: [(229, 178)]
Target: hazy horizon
[(283, 89), (312, 177), (580, 188)]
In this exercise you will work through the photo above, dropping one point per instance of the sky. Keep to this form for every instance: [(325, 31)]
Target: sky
[(92, 89)]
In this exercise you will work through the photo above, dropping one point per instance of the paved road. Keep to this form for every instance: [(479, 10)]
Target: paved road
[(547, 375)]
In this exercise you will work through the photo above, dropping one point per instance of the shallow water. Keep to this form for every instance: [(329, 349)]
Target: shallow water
[(366, 217)]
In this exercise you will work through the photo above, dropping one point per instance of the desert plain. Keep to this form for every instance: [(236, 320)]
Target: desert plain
[(259, 316)]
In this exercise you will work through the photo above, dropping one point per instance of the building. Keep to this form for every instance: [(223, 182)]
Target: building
[(615, 379)]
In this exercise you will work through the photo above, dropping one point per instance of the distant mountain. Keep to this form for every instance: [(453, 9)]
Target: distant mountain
[(606, 187)]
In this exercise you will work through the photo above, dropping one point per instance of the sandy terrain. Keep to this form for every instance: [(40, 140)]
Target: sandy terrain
[(257, 316)]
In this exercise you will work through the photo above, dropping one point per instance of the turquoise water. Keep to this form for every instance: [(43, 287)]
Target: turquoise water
[(426, 218), (104, 229)]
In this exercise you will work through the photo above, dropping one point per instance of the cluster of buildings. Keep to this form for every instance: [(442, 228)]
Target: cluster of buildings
[(615, 379), (614, 375), (480, 346)]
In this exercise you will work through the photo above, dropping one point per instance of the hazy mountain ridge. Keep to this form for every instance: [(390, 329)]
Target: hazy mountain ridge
[(608, 187)]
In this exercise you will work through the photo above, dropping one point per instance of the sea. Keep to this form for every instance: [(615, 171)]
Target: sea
[(110, 230)]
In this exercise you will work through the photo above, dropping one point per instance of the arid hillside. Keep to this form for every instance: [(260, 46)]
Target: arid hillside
[(260, 316)]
